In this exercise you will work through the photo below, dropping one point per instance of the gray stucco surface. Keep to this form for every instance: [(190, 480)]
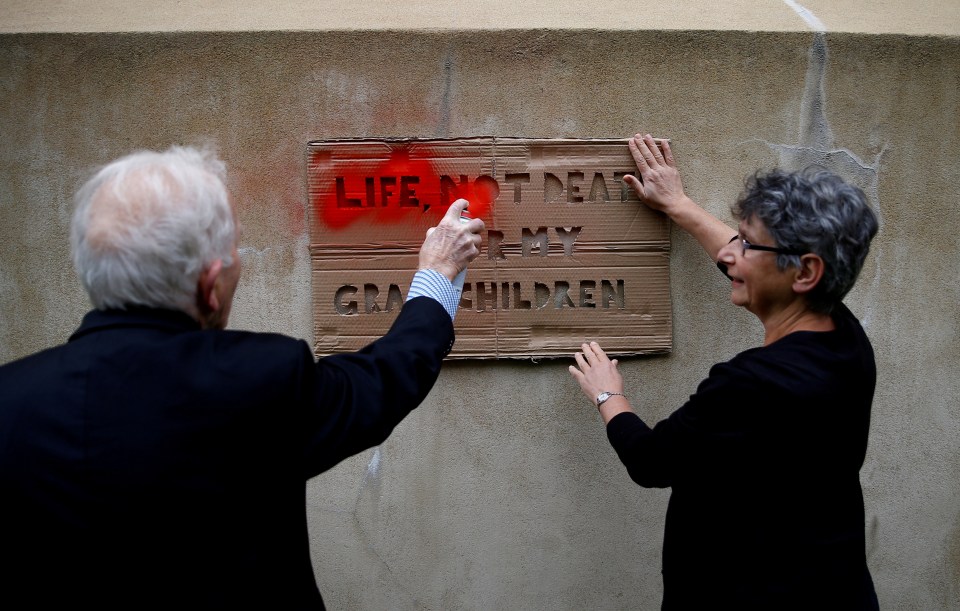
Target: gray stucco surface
[(501, 491)]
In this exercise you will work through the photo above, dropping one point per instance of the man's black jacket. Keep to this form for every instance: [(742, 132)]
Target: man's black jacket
[(150, 464)]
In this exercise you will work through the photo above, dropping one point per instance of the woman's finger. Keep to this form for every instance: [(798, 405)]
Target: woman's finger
[(597, 352), (637, 153), (655, 150), (668, 154)]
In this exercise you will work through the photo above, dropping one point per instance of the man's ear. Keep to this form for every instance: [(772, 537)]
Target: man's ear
[(809, 274), (207, 300)]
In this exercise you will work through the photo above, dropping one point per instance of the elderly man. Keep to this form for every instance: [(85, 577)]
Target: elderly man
[(157, 460)]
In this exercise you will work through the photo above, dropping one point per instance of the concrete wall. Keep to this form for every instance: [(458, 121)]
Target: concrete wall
[(501, 492)]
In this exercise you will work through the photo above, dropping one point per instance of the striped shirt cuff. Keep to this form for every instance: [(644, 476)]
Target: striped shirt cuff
[(433, 284)]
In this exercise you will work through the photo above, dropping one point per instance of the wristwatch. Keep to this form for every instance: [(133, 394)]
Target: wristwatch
[(602, 397)]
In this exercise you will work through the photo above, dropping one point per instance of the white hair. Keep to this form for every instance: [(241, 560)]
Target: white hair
[(146, 226)]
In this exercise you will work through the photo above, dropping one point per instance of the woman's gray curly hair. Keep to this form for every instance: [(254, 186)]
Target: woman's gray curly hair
[(813, 211)]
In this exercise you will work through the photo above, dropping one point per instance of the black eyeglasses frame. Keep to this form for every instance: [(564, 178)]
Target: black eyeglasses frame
[(746, 245)]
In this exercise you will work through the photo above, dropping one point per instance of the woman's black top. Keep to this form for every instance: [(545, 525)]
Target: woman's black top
[(766, 509)]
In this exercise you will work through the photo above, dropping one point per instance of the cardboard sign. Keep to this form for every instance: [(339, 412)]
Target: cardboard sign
[(569, 253)]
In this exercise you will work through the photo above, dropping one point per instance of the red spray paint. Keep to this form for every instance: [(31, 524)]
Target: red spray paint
[(398, 190)]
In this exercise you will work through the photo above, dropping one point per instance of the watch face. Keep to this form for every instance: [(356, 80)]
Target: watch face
[(602, 397)]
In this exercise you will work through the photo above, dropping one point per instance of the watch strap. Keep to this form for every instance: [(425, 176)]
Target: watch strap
[(602, 397)]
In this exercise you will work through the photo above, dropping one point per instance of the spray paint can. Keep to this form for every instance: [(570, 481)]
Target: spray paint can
[(458, 280)]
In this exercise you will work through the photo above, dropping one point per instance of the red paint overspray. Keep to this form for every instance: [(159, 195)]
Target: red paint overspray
[(403, 189)]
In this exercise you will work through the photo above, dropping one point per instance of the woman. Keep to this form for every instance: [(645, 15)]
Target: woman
[(766, 509)]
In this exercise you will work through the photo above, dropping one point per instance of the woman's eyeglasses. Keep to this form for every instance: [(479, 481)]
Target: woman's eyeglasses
[(748, 246)]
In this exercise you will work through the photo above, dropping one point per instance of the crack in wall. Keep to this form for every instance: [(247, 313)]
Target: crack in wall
[(815, 141), (814, 127), (371, 481)]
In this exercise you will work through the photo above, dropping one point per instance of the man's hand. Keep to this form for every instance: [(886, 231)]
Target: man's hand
[(451, 245)]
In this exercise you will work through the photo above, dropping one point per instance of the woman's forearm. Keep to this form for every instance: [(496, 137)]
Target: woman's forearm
[(712, 233)]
